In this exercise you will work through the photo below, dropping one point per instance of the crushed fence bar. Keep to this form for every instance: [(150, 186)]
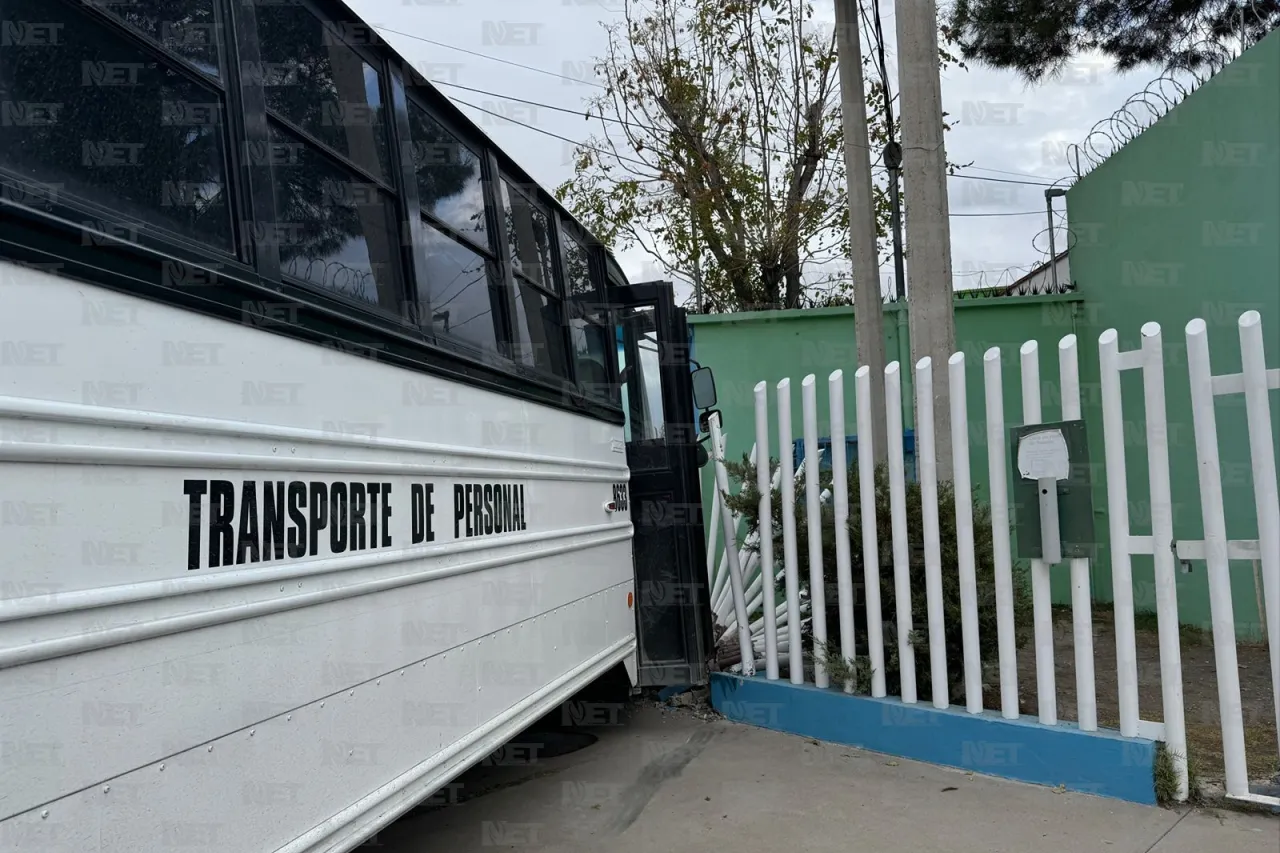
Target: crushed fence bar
[(719, 567), (735, 570), (713, 534), (722, 602)]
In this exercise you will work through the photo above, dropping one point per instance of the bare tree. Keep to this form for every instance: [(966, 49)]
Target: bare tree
[(720, 149)]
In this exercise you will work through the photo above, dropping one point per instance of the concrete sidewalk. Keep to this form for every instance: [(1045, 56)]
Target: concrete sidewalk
[(668, 781)]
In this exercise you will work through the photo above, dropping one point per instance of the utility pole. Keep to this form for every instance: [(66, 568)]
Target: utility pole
[(868, 307), (931, 308), (1049, 196)]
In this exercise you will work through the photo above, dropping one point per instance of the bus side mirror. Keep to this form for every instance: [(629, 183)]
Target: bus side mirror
[(704, 420), (704, 388)]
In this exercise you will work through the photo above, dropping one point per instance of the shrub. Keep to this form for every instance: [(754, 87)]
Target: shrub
[(747, 504)]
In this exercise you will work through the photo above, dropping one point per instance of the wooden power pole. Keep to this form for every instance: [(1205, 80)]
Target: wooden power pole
[(867, 302), (931, 304)]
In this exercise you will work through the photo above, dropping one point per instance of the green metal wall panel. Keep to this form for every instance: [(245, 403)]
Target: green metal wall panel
[(1184, 222)]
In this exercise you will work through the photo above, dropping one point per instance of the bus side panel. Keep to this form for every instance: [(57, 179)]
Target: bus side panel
[(167, 677), (263, 786), (135, 703)]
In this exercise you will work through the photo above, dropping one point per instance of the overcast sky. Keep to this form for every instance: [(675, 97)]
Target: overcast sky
[(1003, 125)]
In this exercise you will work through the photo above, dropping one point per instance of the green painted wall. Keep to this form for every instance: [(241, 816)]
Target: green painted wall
[(1184, 222)]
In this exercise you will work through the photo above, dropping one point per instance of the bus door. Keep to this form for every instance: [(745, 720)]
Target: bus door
[(673, 612)]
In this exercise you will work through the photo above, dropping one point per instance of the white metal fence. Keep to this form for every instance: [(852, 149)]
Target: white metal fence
[(743, 577)]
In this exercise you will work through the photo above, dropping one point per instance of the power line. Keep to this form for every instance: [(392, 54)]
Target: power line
[(598, 150), (1014, 213), (624, 159), (589, 115), (1004, 172), (487, 56), (1000, 180), (624, 122), (654, 130)]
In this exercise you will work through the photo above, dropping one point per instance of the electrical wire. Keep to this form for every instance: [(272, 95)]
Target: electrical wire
[(1004, 172), (624, 122), (624, 159), (487, 56), (1013, 213)]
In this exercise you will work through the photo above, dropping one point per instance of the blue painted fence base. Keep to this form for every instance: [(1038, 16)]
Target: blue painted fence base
[(1102, 763)]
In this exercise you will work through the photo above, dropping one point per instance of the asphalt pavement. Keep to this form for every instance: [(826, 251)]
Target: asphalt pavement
[(675, 780)]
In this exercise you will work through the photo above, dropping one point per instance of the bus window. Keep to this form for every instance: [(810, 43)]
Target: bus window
[(590, 337), (639, 376), (651, 381)]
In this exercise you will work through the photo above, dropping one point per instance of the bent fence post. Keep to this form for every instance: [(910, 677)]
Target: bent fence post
[(731, 551)]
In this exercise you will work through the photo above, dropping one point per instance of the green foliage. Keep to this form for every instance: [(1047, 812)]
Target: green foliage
[(1038, 39), (1165, 778), (747, 503)]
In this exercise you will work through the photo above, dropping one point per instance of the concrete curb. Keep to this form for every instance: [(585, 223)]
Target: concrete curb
[(1102, 763)]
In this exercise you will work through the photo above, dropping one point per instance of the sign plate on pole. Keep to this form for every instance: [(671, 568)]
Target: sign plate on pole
[(1052, 492)]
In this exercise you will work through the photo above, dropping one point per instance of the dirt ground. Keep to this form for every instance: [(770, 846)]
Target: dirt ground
[(1199, 685)]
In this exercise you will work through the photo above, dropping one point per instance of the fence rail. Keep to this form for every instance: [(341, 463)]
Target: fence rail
[(760, 641)]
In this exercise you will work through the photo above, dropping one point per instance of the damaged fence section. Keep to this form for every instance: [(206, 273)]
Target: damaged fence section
[(780, 625)]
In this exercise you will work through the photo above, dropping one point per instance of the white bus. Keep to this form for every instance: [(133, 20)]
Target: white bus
[(333, 451)]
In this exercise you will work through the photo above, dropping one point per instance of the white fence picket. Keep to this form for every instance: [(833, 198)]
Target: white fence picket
[(870, 542), (840, 498), (1162, 533), (927, 470), (764, 484), (790, 557), (1041, 595), (997, 469), (813, 517), (1121, 549), (898, 517), (963, 489), (1256, 380), (1081, 595), (1205, 424)]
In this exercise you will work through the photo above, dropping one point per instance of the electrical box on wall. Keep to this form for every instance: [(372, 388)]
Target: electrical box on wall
[(1052, 493)]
